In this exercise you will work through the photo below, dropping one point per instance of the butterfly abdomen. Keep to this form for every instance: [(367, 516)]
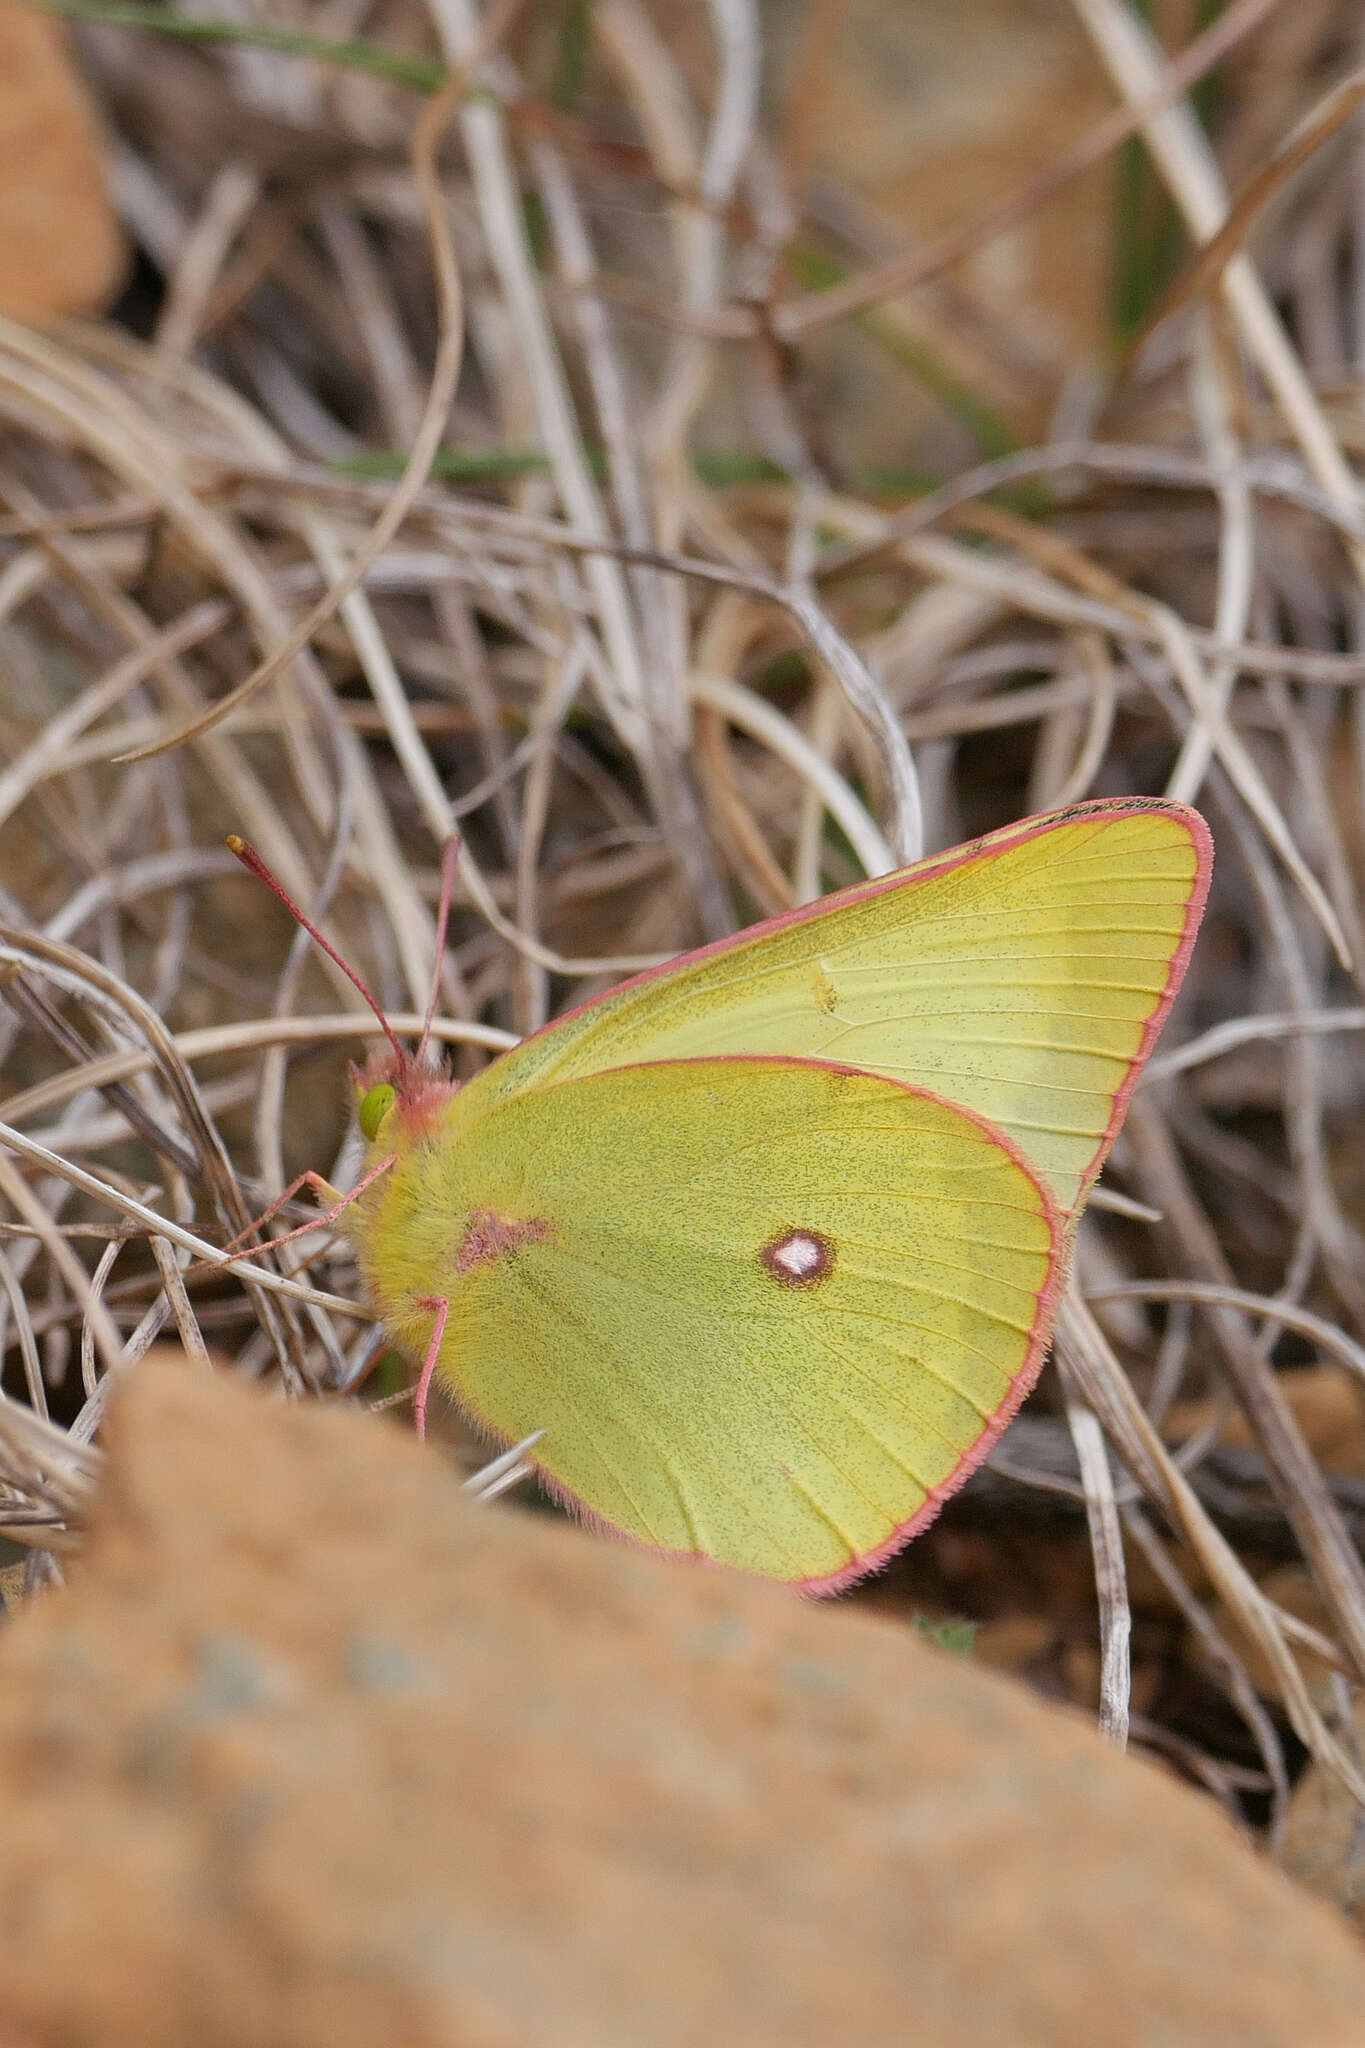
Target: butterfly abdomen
[(440, 1224)]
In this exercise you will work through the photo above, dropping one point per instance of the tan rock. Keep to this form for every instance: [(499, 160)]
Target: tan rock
[(934, 113), (1324, 1838), (922, 118), (60, 247), (314, 1751)]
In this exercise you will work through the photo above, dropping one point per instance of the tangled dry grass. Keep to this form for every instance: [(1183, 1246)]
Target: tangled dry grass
[(661, 693)]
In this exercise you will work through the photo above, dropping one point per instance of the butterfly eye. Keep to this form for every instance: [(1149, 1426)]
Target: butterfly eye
[(374, 1107)]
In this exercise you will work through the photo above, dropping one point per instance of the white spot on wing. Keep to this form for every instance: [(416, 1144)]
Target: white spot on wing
[(798, 1255), (798, 1258)]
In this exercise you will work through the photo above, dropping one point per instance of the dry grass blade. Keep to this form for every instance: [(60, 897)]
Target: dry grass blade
[(49, 1478), (88, 1183), (1312, 132), (1240, 1688), (1235, 1032), (1181, 152), (1111, 1582), (1107, 1389)]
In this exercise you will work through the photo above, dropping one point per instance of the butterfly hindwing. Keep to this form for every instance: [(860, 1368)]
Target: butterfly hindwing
[(765, 1310)]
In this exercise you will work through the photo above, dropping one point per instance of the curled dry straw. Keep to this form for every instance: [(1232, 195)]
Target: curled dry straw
[(655, 706)]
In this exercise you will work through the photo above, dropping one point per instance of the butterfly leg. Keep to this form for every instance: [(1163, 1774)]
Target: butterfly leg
[(324, 1190), (440, 1307)]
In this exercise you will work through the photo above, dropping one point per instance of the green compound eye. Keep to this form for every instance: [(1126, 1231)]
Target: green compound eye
[(374, 1107)]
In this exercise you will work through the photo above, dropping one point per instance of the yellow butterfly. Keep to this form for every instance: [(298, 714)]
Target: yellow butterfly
[(769, 1241)]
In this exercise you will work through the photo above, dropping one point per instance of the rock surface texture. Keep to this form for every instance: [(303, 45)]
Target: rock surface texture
[(314, 1751)]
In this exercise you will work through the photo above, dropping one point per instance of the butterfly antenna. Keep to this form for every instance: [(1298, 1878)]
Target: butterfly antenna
[(252, 862), (450, 856)]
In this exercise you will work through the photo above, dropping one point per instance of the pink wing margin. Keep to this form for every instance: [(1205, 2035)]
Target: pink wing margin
[(1202, 841)]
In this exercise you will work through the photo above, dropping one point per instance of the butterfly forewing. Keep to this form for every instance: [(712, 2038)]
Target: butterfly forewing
[(1024, 977)]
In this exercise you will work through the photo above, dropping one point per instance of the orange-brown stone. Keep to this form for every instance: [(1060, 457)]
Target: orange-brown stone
[(313, 1750)]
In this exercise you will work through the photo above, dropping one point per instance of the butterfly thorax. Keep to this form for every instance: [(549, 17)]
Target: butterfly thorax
[(439, 1210)]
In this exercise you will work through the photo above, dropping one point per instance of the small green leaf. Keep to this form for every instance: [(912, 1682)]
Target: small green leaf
[(956, 1636)]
